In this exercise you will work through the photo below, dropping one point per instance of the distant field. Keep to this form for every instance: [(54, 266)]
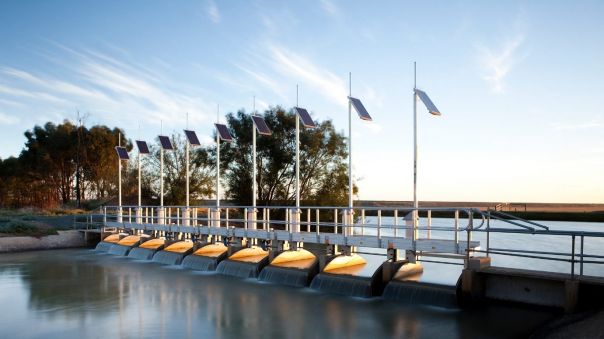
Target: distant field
[(506, 207)]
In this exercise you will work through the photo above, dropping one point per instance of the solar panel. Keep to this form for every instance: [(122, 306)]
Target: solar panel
[(142, 147), (192, 137), (261, 125), (165, 142), (122, 153), (361, 111), (426, 100), (305, 117), (223, 132)]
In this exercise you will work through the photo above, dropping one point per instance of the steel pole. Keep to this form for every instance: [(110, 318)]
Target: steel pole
[(415, 202), (139, 180), (254, 188), (349, 142), (217, 159), (297, 154), (188, 177), (161, 181)]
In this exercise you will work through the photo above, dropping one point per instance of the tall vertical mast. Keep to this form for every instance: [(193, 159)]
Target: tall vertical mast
[(415, 202), (254, 184), (297, 154), (217, 159), (187, 160), (349, 142)]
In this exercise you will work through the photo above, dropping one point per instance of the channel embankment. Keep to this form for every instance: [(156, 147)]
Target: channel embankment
[(63, 239)]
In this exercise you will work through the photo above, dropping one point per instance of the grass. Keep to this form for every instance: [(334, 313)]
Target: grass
[(26, 228)]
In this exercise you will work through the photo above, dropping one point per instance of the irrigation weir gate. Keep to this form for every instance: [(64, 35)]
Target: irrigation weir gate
[(404, 235)]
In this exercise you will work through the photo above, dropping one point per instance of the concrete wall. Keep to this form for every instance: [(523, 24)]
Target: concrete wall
[(64, 239)]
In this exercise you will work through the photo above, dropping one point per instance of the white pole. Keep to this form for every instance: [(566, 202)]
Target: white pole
[(187, 159), (254, 188), (119, 170), (349, 142), (217, 158), (161, 170), (415, 202), (297, 154), (139, 179)]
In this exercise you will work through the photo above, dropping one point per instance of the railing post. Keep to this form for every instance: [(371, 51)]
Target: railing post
[(104, 216), (379, 224), (581, 259), (572, 260), (335, 220), (245, 218), (395, 222), (318, 223), (456, 227), (308, 220), (363, 222), (429, 235), (488, 232)]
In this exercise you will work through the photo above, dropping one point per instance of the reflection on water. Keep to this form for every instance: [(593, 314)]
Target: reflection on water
[(77, 293)]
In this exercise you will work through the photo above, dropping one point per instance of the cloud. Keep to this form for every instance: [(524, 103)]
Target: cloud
[(296, 66), (107, 86), (498, 63), (213, 11), (330, 8), (6, 119), (563, 126)]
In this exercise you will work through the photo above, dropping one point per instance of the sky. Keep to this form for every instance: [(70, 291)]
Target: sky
[(518, 83)]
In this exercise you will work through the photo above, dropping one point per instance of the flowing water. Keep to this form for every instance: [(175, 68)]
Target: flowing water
[(83, 294)]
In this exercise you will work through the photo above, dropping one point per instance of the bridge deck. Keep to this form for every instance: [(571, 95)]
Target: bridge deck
[(372, 241)]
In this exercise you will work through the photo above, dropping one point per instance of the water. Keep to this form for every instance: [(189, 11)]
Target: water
[(241, 269), (81, 294), (448, 274), (141, 253), (168, 258), (119, 250)]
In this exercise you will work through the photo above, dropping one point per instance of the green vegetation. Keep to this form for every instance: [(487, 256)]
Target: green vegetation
[(60, 163), (25, 228)]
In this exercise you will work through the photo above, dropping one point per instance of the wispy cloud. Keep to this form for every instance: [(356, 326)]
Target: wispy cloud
[(213, 11), (6, 119), (108, 87), (498, 62), (330, 8), (296, 66), (565, 126)]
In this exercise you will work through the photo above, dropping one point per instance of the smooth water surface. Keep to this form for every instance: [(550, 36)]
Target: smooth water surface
[(82, 294)]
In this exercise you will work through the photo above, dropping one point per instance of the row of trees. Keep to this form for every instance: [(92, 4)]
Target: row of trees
[(60, 162)]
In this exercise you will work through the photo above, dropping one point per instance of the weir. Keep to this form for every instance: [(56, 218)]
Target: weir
[(245, 263), (173, 254), (235, 243), (206, 258), (147, 249), (294, 268)]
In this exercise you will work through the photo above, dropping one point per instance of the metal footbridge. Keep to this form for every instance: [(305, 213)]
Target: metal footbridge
[(369, 227)]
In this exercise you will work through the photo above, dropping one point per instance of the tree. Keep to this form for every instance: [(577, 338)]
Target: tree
[(323, 175), (175, 174)]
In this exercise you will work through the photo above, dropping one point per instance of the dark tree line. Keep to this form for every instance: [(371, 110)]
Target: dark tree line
[(58, 159)]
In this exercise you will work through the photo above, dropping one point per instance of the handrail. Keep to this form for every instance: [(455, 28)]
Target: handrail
[(517, 218)]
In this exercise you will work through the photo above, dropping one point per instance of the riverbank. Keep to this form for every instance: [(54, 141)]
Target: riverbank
[(63, 239)]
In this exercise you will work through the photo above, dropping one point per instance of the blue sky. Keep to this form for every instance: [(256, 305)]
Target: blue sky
[(518, 83)]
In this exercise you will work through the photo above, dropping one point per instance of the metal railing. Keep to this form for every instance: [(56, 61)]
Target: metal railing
[(380, 222), (526, 227)]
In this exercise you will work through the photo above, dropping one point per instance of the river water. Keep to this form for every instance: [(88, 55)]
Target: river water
[(82, 294)]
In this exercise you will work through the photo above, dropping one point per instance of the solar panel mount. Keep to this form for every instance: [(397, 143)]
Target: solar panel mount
[(223, 132), (192, 138), (122, 153), (142, 146), (165, 142), (426, 100), (261, 125), (361, 111), (305, 117)]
